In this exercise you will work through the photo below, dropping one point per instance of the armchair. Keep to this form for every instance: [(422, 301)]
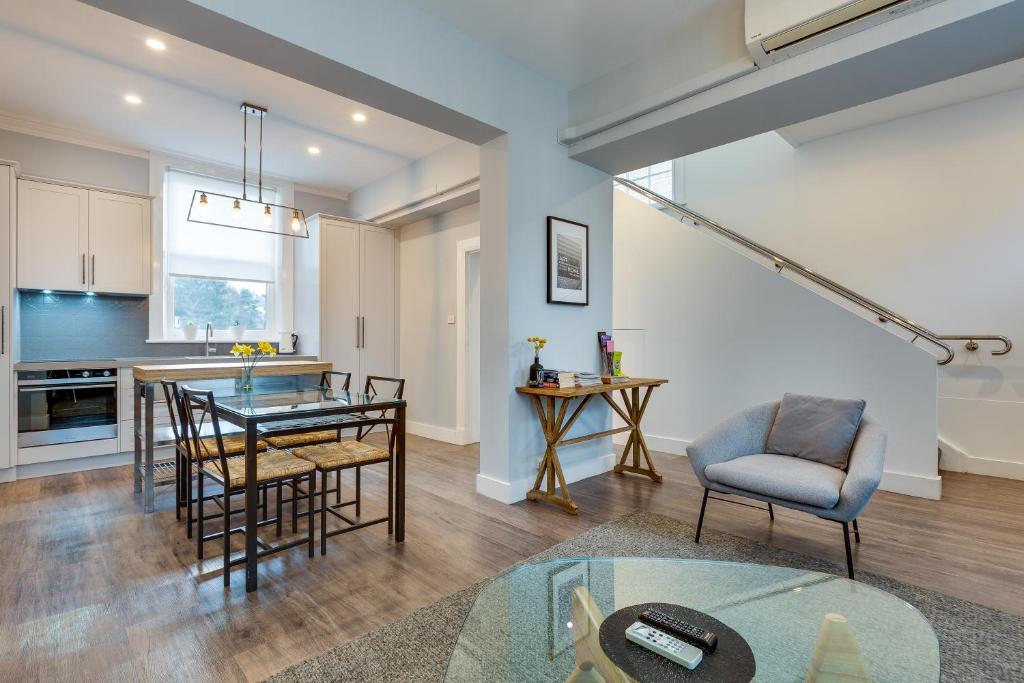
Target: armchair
[(731, 459)]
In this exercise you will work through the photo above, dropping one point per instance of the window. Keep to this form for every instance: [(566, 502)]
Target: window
[(212, 273), (656, 178)]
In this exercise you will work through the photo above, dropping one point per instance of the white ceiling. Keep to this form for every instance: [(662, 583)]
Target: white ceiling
[(69, 65), (571, 42)]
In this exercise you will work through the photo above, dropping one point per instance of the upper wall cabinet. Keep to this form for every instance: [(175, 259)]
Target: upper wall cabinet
[(53, 236), (79, 240), (118, 243)]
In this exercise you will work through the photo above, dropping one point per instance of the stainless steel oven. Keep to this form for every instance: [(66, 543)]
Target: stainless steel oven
[(66, 406)]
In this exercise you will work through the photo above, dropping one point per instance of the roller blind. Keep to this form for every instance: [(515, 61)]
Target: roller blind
[(211, 251)]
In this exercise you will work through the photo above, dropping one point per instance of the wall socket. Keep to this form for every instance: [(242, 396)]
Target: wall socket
[(451, 319)]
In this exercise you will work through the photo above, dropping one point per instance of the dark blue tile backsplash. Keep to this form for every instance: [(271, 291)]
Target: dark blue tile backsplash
[(78, 327)]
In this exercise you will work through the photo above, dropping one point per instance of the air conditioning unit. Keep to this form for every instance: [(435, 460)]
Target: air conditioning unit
[(779, 29)]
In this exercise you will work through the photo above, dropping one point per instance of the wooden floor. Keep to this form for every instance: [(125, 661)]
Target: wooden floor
[(92, 589)]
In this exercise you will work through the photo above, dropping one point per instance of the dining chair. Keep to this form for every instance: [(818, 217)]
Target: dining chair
[(185, 461), (354, 454), (272, 467), (322, 435)]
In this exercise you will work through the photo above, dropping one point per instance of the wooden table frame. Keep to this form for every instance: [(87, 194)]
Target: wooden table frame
[(555, 426)]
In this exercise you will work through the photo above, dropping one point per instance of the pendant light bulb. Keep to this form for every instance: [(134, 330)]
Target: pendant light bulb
[(296, 221), (236, 211), (204, 205), (268, 218)]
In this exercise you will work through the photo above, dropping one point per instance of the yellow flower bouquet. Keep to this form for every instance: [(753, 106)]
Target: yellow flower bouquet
[(250, 357)]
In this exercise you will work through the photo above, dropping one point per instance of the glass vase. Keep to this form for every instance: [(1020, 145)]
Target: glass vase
[(245, 381)]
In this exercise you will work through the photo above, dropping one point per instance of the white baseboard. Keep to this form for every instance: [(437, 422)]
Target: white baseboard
[(918, 485), (95, 462), (8, 474), (955, 459), (429, 431), (513, 492), (663, 444)]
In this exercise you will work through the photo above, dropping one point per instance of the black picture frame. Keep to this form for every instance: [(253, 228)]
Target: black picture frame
[(574, 268)]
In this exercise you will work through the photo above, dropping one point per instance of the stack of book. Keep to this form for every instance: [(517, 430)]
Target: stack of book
[(563, 379)]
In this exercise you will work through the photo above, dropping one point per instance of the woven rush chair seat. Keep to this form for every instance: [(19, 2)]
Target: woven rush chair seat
[(329, 456), (269, 465), (303, 439), (234, 444)]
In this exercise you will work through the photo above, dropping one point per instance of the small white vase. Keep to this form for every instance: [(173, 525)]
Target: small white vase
[(237, 331), (191, 331)]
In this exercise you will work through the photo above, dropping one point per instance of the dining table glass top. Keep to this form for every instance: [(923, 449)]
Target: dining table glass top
[(521, 624), (284, 400)]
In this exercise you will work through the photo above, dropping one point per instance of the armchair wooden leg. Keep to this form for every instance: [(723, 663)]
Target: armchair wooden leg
[(700, 520), (771, 512), (849, 552), (856, 532)]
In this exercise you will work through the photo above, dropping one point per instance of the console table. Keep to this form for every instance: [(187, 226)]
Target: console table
[(555, 426)]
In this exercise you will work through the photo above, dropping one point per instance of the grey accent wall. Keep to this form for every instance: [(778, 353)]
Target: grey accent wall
[(79, 327), (314, 203), (76, 163)]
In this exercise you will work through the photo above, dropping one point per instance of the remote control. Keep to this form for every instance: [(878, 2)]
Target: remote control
[(663, 644), (705, 640)]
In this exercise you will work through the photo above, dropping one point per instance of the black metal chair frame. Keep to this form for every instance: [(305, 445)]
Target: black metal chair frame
[(208, 406), (771, 515)]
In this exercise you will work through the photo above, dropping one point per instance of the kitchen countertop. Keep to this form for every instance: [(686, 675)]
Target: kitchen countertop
[(138, 360)]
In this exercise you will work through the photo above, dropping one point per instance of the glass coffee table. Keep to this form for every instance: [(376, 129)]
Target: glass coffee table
[(521, 626)]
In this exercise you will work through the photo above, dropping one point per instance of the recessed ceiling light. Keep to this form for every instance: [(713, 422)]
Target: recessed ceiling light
[(156, 44), (132, 99), (359, 117), (313, 149)]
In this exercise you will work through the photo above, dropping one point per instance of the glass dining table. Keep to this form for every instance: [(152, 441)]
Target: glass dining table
[(270, 408)]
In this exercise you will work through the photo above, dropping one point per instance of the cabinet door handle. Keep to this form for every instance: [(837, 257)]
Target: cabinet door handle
[(357, 331), (94, 268), (83, 269), (3, 330), (364, 332)]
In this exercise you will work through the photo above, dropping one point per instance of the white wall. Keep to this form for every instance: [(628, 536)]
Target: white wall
[(922, 214), (75, 163), (728, 333), (427, 296), (447, 167), (398, 58)]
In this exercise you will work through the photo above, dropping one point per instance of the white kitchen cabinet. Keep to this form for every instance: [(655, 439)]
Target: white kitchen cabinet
[(355, 288), (7, 217), (119, 247), (377, 302), (53, 236), (79, 240)]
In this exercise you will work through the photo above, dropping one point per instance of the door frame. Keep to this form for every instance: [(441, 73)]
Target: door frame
[(463, 248)]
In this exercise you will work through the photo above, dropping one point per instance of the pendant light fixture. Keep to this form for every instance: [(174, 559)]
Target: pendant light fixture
[(214, 208)]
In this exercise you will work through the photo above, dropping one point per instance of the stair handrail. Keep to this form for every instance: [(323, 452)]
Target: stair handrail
[(782, 262)]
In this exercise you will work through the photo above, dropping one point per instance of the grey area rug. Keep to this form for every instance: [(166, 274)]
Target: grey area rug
[(977, 643)]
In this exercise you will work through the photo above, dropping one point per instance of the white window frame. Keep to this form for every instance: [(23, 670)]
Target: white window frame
[(642, 176), (280, 293)]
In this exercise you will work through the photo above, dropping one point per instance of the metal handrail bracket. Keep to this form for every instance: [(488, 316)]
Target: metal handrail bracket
[(782, 262)]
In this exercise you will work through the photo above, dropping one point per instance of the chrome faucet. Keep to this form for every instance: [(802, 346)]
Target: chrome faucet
[(206, 343)]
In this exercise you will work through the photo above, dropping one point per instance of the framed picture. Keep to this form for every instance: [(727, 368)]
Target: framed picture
[(561, 584), (568, 262)]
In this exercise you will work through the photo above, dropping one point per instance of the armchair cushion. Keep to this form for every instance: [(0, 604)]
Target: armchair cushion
[(816, 428), (781, 476)]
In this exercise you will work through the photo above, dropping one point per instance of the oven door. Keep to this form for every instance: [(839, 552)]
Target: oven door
[(66, 413)]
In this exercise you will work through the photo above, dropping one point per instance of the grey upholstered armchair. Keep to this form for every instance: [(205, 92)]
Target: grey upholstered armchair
[(731, 459)]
